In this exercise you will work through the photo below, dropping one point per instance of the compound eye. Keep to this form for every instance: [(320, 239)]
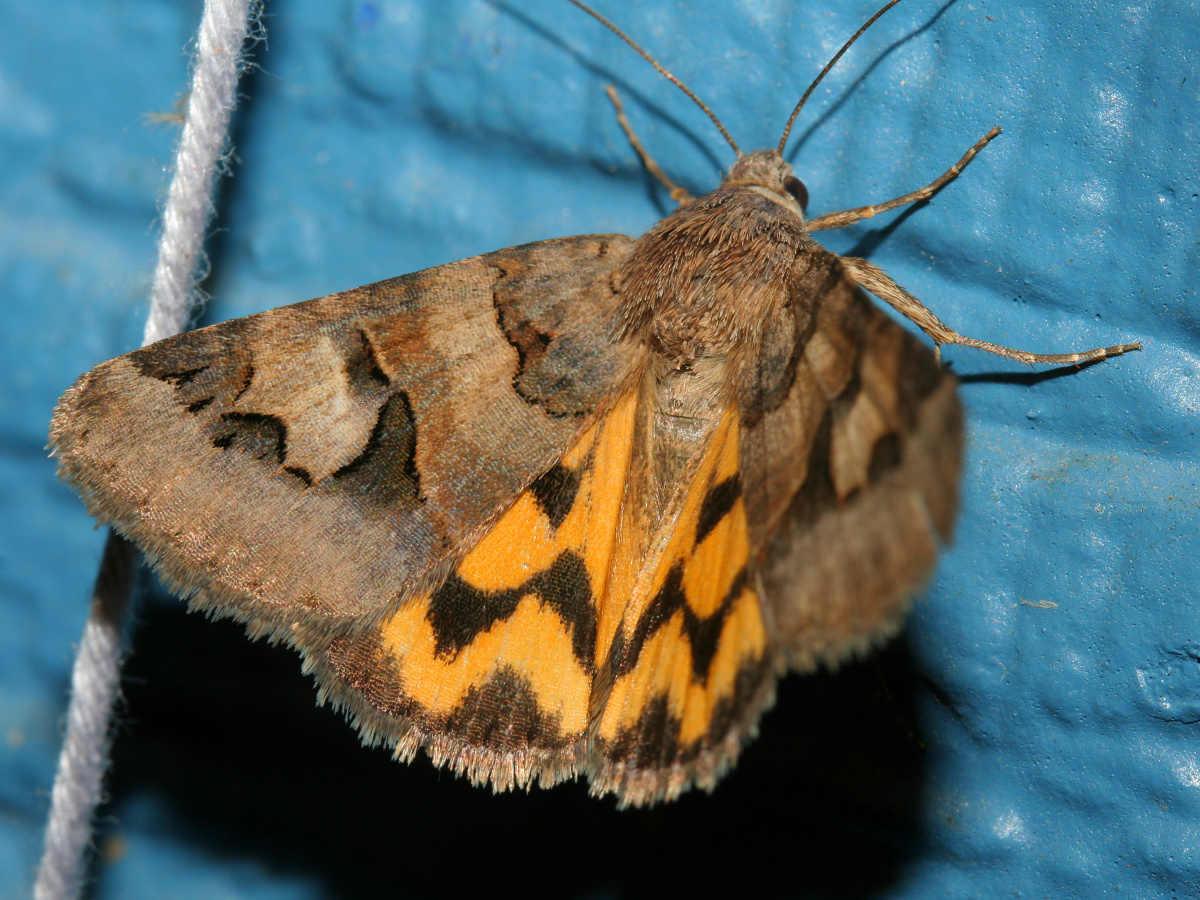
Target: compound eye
[(799, 192)]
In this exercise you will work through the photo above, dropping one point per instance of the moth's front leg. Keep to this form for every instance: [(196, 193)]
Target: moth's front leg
[(879, 283), (850, 216)]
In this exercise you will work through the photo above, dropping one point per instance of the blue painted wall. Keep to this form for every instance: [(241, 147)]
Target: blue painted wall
[(1035, 732)]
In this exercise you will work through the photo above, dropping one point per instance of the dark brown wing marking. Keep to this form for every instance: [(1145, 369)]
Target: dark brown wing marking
[(875, 427), (718, 503), (555, 493)]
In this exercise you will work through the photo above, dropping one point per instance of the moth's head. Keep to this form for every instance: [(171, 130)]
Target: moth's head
[(767, 170), (763, 170)]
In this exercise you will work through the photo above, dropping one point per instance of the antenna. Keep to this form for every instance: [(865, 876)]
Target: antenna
[(675, 81), (812, 87)]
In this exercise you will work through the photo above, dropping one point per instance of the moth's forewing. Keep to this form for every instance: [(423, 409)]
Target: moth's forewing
[(308, 468), (872, 429)]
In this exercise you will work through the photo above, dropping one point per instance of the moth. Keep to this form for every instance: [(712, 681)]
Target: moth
[(566, 509)]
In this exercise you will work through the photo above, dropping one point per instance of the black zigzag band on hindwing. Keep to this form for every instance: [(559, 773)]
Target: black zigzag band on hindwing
[(459, 611), (703, 633)]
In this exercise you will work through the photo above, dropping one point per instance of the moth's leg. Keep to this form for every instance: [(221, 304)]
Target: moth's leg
[(850, 216), (678, 194), (875, 280)]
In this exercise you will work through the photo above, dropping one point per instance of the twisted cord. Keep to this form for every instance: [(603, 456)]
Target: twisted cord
[(95, 681)]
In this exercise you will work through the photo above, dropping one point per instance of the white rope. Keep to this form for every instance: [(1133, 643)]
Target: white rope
[(95, 681), (223, 31), (84, 755)]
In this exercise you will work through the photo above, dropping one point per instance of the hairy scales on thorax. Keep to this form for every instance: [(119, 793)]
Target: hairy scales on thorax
[(709, 275)]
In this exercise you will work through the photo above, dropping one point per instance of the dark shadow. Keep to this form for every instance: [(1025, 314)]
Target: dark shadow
[(870, 240), (799, 141), (1027, 378), (627, 90), (224, 735)]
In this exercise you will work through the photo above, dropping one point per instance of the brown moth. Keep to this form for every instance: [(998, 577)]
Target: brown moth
[(564, 509)]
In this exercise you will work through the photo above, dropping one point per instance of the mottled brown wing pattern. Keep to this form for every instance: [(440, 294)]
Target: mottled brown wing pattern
[(872, 428), (307, 468)]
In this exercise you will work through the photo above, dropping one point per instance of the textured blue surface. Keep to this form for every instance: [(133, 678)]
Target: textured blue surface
[(1052, 670)]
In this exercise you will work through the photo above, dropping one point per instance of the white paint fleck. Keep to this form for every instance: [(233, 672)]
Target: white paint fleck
[(1093, 193), (1112, 108), (1187, 771), (1011, 827)]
